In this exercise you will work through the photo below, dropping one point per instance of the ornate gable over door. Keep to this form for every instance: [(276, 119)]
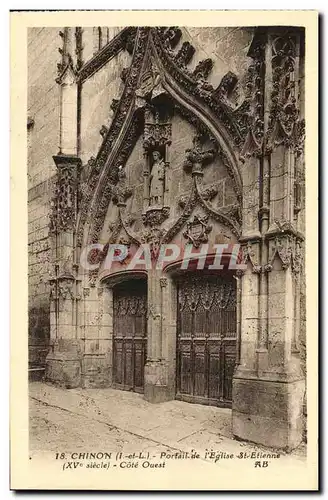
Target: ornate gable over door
[(159, 89)]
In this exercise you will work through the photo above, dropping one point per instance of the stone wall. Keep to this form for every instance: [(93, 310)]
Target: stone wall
[(227, 47), (97, 94), (43, 120)]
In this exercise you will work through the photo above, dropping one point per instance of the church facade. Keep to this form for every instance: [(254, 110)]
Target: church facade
[(149, 138)]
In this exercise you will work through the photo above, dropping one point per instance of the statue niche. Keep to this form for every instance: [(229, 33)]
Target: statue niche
[(156, 142), (157, 180)]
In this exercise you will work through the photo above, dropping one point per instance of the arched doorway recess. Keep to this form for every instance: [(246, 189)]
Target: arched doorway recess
[(129, 334), (206, 337)]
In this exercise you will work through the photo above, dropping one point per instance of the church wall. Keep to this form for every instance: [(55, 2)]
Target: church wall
[(90, 39), (97, 93), (226, 46), (43, 135), (302, 221), (92, 329), (181, 181)]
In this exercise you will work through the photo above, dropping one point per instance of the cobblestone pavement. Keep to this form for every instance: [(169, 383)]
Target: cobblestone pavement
[(82, 420)]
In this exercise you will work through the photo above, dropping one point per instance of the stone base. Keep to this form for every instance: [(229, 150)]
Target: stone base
[(268, 412), (96, 371), (156, 388), (63, 364), (157, 393)]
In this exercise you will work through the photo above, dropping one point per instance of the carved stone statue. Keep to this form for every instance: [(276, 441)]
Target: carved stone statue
[(157, 176)]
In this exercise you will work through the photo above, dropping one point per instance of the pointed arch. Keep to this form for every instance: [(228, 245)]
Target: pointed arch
[(119, 139), (127, 127)]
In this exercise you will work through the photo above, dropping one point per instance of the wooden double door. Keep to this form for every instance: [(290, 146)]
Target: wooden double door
[(206, 339), (129, 335)]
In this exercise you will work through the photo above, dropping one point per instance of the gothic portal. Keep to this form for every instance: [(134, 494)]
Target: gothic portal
[(159, 146)]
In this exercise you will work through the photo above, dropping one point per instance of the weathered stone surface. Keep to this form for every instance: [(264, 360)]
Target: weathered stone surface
[(210, 135), (63, 364), (268, 412)]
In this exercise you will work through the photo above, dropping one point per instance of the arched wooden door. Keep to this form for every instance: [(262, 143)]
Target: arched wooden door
[(129, 335), (206, 338)]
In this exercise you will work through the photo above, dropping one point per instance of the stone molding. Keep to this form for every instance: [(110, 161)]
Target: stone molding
[(110, 50)]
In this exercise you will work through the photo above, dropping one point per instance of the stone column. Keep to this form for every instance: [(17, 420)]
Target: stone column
[(63, 361), (167, 182), (169, 333), (268, 384), (156, 388), (146, 182)]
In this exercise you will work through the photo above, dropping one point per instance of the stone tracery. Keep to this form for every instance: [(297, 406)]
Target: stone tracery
[(159, 79)]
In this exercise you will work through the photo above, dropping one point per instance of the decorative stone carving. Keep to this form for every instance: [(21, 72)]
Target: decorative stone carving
[(253, 117), (128, 40), (95, 209), (155, 217), (209, 192), (63, 204), (197, 230), (150, 84), (171, 37), (288, 248), (126, 241), (98, 214), (154, 237), (93, 275), (196, 158), (156, 141), (157, 134), (78, 48), (121, 192), (130, 219), (65, 287), (226, 86), (283, 249), (114, 105), (152, 134), (182, 201), (299, 137), (284, 110), (298, 257), (103, 131), (65, 64), (185, 54), (283, 225), (110, 50), (163, 282), (186, 114), (200, 89), (250, 252), (203, 69), (53, 289), (230, 217), (124, 74), (157, 177)]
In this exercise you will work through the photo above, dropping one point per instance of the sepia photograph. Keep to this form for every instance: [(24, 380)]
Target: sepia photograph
[(167, 232)]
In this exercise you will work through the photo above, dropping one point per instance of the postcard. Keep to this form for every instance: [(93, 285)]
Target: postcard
[(164, 250)]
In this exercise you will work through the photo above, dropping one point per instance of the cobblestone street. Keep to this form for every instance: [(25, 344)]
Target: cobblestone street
[(88, 420)]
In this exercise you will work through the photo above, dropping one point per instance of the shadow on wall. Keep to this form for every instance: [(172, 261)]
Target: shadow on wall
[(38, 340)]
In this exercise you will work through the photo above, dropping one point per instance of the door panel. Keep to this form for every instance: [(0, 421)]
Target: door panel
[(130, 335), (206, 338)]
